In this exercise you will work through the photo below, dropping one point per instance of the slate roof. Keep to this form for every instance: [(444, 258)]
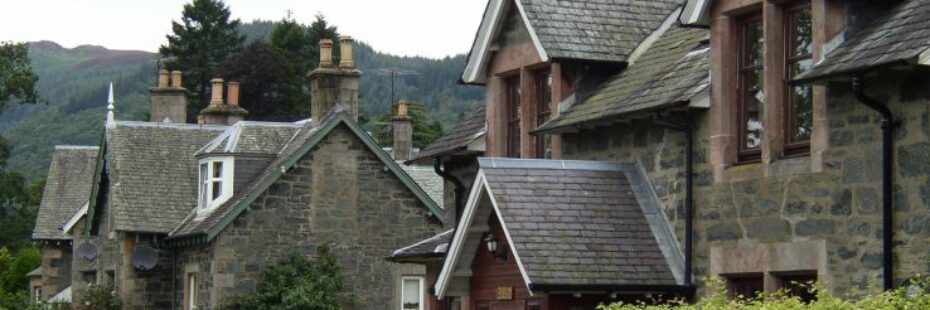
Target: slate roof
[(427, 179), (35, 272), (67, 189), (672, 71), (153, 172), (900, 35), (464, 133), (597, 30), (206, 226), (435, 246), (576, 223), (246, 137)]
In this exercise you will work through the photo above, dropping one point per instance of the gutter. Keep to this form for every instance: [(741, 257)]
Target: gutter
[(611, 288), (689, 195), (888, 124)]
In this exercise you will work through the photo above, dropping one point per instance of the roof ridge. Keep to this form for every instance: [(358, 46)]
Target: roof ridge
[(77, 147), (520, 163)]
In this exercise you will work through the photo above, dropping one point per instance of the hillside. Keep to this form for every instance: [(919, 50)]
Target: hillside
[(73, 84)]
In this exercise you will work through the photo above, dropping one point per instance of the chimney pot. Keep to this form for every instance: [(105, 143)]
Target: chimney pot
[(345, 61), (217, 90), (176, 79), (232, 93), (163, 78), (326, 53), (402, 108)]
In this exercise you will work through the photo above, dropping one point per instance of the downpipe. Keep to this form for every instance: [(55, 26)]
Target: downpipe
[(689, 196), (887, 124), (458, 186)]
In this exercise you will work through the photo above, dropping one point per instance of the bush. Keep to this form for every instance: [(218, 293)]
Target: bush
[(297, 283), (100, 297), (915, 297)]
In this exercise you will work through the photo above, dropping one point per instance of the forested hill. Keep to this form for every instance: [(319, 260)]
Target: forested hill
[(73, 84)]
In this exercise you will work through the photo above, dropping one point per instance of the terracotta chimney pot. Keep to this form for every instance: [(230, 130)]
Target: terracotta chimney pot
[(402, 108), (345, 60), (176, 79), (326, 53), (217, 90), (232, 93), (163, 78)]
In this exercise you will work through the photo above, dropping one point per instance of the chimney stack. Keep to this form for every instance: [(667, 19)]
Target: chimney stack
[(332, 85), (168, 103), (402, 127), (219, 112)]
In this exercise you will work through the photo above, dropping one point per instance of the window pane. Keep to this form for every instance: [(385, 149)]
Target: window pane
[(411, 291), (543, 113), (753, 43), (217, 189), (800, 23), (203, 185), (753, 97), (745, 287), (513, 116), (802, 117), (217, 169)]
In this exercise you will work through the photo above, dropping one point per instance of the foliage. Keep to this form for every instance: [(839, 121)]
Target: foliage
[(916, 297), (14, 286), (18, 205), (17, 80), (258, 69), (100, 297), (206, 37), (425, 131), (297, 283)]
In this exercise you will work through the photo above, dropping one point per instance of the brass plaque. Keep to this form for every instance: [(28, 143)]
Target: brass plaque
[(504, 293)]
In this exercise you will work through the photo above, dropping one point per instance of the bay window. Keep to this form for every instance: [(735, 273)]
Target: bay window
[(215, 184)]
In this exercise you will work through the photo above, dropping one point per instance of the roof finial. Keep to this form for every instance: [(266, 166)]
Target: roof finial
[(111, 116)]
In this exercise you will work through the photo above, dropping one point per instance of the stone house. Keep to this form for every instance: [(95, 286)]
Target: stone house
[(806, 158), (182, 216)]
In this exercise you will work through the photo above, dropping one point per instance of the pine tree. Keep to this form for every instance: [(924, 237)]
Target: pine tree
[(16, 77), (203, 39), (425, 131), (318, 30)]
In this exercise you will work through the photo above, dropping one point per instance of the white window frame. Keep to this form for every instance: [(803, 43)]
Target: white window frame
[(205, 183), (191, 291), (420, 289)]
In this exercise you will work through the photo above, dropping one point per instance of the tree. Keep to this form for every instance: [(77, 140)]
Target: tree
[(203, 39), (425, 131), (297, 283), (259, 69), (318, 30), (17, 81)]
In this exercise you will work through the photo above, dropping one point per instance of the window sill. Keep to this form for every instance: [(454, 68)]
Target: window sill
[(795, 165), (744, 172)]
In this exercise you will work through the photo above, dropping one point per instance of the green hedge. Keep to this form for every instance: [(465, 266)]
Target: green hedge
[(915, 297)]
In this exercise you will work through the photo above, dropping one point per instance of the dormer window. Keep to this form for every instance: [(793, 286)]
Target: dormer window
[(215, 182)]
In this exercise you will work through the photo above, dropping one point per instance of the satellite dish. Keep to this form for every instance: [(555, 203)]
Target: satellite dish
[(144, 257), (87, 251)]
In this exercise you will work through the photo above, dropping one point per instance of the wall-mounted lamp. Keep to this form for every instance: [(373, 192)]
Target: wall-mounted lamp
[(491, 241)]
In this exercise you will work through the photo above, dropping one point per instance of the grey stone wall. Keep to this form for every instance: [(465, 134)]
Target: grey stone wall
[(839, 206), (56, 267), (340, 195)]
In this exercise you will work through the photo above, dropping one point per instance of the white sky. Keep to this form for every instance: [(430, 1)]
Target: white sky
[(431, 28)]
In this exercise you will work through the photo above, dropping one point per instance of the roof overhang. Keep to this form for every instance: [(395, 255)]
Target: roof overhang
[(470, 231), (696, 13), (77, 216), (491, 23)]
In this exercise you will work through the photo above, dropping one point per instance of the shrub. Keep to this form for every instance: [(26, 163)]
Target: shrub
[(297, 283), (100, 297), (916, 296)]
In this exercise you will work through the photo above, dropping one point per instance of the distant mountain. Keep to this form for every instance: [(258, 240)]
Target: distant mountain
[(73, 84)]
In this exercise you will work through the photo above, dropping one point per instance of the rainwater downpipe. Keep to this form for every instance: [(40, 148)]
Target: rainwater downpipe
[(688, 212), (887, 124), (458, 187)]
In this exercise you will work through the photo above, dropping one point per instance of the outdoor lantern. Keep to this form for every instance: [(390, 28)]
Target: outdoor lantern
[(491, 241), (493, 248)]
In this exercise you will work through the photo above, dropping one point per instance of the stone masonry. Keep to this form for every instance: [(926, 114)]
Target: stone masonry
[(837, 211), (338, 194)]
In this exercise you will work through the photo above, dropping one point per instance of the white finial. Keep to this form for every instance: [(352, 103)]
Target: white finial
[(111, 116)]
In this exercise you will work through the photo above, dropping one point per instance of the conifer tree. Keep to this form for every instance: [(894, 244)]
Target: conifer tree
[(16, 77), (199, 43)]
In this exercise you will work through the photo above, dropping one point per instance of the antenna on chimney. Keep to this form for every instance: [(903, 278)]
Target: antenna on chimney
[(111, 115)]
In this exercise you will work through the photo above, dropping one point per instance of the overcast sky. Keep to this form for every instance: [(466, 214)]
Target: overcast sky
[(431, 28)]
